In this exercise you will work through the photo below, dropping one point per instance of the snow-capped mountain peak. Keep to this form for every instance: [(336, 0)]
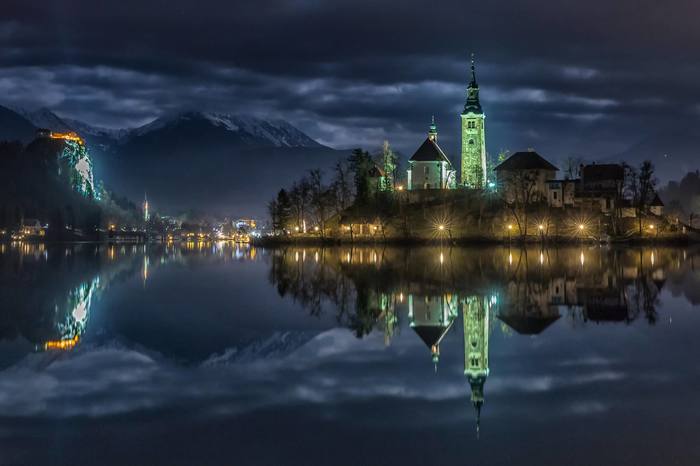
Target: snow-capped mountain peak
[(276, 133)]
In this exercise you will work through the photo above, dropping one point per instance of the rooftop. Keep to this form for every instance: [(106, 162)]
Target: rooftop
[(429, 151), (529, 160), (602, 172)]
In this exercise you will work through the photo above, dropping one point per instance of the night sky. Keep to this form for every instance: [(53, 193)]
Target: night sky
[(590, 78)]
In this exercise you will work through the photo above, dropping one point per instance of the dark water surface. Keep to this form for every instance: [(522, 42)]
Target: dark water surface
[(220, 354)]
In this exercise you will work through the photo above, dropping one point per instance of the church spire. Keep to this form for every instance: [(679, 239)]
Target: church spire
[(472, 104), (473, 81), (432, 130)]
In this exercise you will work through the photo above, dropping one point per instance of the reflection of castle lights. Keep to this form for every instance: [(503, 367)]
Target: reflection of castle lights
[(442, 258), (582, 258), (510, 258), (541, 258)]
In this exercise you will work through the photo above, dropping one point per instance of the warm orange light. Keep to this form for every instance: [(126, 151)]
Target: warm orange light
[(62, 344), (67, 137)]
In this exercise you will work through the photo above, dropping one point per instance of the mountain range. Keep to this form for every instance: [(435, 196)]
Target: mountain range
[(212, 162)]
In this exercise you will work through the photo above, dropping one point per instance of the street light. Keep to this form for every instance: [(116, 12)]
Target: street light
[(441, 227)]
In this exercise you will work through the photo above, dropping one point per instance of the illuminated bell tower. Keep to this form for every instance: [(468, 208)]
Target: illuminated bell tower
[(473, 138), (475, 316)]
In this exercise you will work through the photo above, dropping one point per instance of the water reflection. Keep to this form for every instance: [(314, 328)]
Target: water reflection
[(526, 290), (452, 343), (531, 286), (47, 292)]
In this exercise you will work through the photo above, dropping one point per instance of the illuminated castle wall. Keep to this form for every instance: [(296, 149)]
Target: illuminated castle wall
[(75, 163)]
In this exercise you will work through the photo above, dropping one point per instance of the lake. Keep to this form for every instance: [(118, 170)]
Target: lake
[(230, 354)]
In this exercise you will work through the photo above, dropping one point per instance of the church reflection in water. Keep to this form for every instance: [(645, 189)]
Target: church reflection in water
[(49, 293), (522, 291)]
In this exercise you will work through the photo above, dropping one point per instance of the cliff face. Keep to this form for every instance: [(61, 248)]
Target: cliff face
[(46, 180)]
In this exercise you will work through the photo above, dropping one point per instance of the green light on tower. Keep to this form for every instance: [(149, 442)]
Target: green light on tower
[(473, 137)]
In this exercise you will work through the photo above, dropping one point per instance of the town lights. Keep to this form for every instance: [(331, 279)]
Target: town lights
[(651, 227), (581, 227), (296, 229), (541, 227), (510, 227), (441, 227), (316, 228), (399, 188)]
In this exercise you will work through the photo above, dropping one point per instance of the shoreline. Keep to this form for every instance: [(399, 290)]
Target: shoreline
[(476, 241)]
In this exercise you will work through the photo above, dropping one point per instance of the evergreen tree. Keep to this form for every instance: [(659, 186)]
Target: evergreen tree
[(360, 164), (389, 164)]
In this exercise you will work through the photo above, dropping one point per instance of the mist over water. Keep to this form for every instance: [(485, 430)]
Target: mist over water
[(213, 353)]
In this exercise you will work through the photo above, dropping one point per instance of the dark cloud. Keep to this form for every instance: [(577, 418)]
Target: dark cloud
[(567, 78)]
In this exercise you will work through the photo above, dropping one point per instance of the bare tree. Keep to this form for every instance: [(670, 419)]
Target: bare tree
[(520, 193)]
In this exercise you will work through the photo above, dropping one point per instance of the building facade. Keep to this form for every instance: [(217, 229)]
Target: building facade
[(523, 177), (473, 163)]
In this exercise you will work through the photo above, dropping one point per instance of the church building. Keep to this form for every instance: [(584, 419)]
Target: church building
[(429, 167), (474, 171)]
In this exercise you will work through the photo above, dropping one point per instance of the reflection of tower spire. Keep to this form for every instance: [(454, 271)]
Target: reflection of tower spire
[(475, 316)]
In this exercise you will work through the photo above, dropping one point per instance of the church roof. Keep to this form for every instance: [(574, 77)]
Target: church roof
[(429, 151), (472, 104), (529, 160), (431, 334)]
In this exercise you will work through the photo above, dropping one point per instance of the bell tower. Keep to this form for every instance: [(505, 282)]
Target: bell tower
[(475, 317), (473, 137)]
